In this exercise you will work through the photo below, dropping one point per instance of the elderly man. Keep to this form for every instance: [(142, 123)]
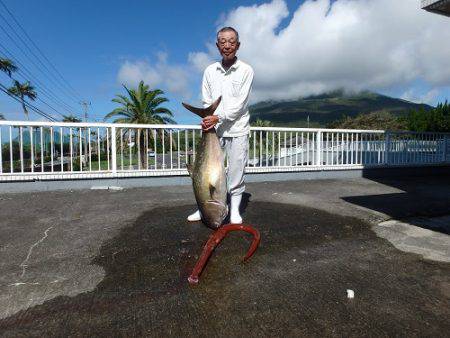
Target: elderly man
[(232, 79)]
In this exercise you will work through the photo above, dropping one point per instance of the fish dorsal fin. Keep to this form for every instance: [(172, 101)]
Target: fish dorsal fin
[(189, 169), (203, 112), (189, 164)]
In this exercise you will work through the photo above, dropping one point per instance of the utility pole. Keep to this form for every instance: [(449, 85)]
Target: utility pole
[(85, 105)]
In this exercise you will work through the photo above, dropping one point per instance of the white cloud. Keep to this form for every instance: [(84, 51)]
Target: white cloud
[(416, 96), (200, 60), (430, 96), (409, 95), (354, 44), (172, 78)]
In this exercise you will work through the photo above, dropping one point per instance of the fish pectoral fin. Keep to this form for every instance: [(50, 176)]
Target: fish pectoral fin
[(212, 190)]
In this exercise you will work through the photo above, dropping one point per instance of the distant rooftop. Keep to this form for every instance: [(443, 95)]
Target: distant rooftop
[(437, 6)]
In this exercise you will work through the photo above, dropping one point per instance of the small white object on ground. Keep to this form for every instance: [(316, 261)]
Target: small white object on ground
[(115, 188), (294, 260), (104, 187), (21, 283), (350, 294)]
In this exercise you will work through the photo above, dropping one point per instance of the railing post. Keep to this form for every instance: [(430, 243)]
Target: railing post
[(319, 148), (444, 151), (113, 150), (1, 151), (387, 145)]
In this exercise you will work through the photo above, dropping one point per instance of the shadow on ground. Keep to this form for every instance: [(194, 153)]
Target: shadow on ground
[(419, 199), (295, 285)]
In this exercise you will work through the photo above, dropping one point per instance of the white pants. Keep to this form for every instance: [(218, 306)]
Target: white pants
[(236, 152)]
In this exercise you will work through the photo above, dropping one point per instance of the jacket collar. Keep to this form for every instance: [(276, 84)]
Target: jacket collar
[(234, 66)]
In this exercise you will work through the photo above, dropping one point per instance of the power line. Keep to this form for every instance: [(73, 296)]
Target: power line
[(50, 106), (43, 92), (45, 102), (27, 104), (25, 69), (39, 50), (47, 72), (27, 75), (26, 55)]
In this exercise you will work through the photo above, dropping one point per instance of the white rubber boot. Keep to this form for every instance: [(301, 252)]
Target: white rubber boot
[(195, 217), (235, 217)]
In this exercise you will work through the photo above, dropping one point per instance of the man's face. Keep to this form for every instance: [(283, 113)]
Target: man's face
[(228, 45)]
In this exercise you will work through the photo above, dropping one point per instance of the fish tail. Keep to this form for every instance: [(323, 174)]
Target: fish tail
[(203, 112)]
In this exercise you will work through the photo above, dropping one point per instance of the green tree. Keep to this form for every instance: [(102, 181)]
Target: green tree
[(7, 66), (263, 139), (262, 123), (72, 118), (22, 90), (141, 106), (381, 120), (437, 119)]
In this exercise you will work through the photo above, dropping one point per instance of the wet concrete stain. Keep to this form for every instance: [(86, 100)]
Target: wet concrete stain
[(294, 285)]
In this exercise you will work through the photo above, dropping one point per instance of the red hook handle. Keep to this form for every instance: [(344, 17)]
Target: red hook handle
[(214, 241)]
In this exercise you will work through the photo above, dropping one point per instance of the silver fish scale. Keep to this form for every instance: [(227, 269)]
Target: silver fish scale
[(209, 181)]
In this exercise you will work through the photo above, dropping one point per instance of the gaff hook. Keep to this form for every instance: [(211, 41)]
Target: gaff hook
[(215, 239)]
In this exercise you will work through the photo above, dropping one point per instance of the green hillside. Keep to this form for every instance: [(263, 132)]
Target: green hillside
[(325, 108)]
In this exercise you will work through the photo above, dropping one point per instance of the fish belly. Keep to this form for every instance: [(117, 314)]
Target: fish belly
[(209, 181)]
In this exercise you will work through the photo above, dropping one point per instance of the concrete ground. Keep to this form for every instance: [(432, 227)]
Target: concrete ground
[(115, 263)]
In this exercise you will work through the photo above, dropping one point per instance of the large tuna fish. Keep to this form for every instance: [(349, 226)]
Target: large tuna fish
[(209, 181), (208, 173)]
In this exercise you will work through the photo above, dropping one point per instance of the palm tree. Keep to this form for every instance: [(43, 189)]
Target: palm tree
[(262, 123), (71, 118), (7, 66), (142, 106), (22, 90)]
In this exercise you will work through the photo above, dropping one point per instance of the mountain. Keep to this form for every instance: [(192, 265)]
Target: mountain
[(325, 108)]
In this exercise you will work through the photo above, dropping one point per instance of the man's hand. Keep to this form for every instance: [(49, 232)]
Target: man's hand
[(209, 122)]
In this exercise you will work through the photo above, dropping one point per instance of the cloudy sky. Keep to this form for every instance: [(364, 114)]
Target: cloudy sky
[(297, 48)]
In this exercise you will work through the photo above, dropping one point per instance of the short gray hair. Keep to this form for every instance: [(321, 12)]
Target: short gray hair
[(228, 29)]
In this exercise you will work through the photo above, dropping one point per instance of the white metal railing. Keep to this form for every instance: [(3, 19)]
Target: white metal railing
[(56, 150)]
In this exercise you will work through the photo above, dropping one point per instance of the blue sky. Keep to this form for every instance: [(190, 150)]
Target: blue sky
[(89, 42)]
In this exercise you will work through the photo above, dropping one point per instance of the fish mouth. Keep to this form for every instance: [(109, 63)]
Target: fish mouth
[(214, 213)]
